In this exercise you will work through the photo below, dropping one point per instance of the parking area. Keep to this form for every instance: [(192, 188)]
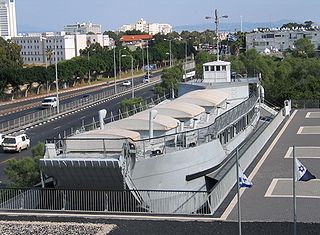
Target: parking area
[(270, 198)]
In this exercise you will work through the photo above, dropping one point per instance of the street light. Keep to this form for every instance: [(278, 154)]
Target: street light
[(56, 71), (217, 24), (89, 77), (132, 85), (142, 55), (115, 70)]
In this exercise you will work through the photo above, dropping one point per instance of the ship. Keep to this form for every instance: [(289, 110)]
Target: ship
[(174, 146)]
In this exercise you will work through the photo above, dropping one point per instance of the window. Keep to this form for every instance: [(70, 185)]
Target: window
[(223, 67), (211, 68), (206, 68), (218, 68)]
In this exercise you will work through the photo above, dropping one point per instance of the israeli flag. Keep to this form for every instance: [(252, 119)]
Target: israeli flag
[(302, 173), (244, 182)]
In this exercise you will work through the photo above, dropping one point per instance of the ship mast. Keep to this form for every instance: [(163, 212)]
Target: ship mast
[(217, 23)]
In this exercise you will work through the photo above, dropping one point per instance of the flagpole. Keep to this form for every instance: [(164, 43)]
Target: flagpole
[(238, 187), (294, 193)]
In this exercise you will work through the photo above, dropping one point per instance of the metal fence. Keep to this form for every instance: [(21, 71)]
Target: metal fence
[(45, 114), (305, 104), (121, 201)]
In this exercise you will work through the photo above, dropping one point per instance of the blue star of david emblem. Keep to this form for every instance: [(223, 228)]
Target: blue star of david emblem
[(301, 168)]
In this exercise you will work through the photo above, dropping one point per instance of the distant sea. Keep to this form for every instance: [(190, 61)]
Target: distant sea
[(231, 27), (228, 27)]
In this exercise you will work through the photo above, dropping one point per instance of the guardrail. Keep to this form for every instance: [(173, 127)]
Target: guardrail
[(109, 201), (45, 114), (304, 104)]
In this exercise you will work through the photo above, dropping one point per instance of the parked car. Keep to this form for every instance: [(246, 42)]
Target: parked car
[(49, 102), (15, 143), (1, 139), (126, 83)]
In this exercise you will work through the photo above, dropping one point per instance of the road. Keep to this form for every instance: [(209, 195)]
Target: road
[(15, 110), (64, 124)]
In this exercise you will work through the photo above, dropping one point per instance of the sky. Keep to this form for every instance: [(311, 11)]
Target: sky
[(52, 15)]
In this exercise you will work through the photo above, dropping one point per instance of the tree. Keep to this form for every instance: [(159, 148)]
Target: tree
[(25, 172), (304, 48)]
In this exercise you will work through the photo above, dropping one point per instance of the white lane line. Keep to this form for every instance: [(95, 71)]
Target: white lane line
[(234, 201), (300, 130), (271, 188), (312, 184), (307, 155), (288, 153), (56, 128), (308, 114)]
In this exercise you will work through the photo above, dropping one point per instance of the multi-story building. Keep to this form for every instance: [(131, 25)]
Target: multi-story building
[(83, 28), (150, 28), (8, 24), (41, 48), (280, 40)]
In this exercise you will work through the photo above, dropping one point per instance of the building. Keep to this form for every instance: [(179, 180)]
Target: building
[(150, 28), (280, 40), (83, 28), (8, 24), (135, 40), (40, 48)]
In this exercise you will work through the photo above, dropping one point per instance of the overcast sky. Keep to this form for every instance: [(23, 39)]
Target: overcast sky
[(111, 14)]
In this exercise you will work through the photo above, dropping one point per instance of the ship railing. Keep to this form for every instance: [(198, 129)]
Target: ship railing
[(105, 201), (183, 140), (147, 148)]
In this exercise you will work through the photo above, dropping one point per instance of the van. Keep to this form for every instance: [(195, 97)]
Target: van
[(49, 102), (15, 143)]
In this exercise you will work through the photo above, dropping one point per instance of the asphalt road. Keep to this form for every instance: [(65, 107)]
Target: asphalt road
[(52, 129), (256, 206), (30, 106)]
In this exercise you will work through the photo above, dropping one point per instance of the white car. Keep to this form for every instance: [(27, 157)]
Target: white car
[(49, 102), (1, 138), (126, 83), (15, 143)]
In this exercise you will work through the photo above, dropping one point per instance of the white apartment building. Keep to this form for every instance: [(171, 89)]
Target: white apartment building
[(41, 48), (280, 40), (83, 28), (8, 24), (150, 28)]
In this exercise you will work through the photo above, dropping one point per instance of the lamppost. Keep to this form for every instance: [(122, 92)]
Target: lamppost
[(89, 77), (170, 51), (120, 64), (217, 24), (56, 71), (185, 65), (148, 69), (114, 70), (142, 55), (132, 85)]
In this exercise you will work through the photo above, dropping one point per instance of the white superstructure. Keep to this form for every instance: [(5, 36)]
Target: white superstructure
[(8, 24)]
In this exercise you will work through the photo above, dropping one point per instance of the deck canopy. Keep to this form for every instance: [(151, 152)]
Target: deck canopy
[(204, 98), (140, 122), (179, 109), (108, 133)]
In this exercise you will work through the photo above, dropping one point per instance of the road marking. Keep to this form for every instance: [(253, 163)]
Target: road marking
[(57, 128), (3, 162), (282, 188), (313, 115), (234, 201), (271, 188), (304, 152), (309, 130)]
